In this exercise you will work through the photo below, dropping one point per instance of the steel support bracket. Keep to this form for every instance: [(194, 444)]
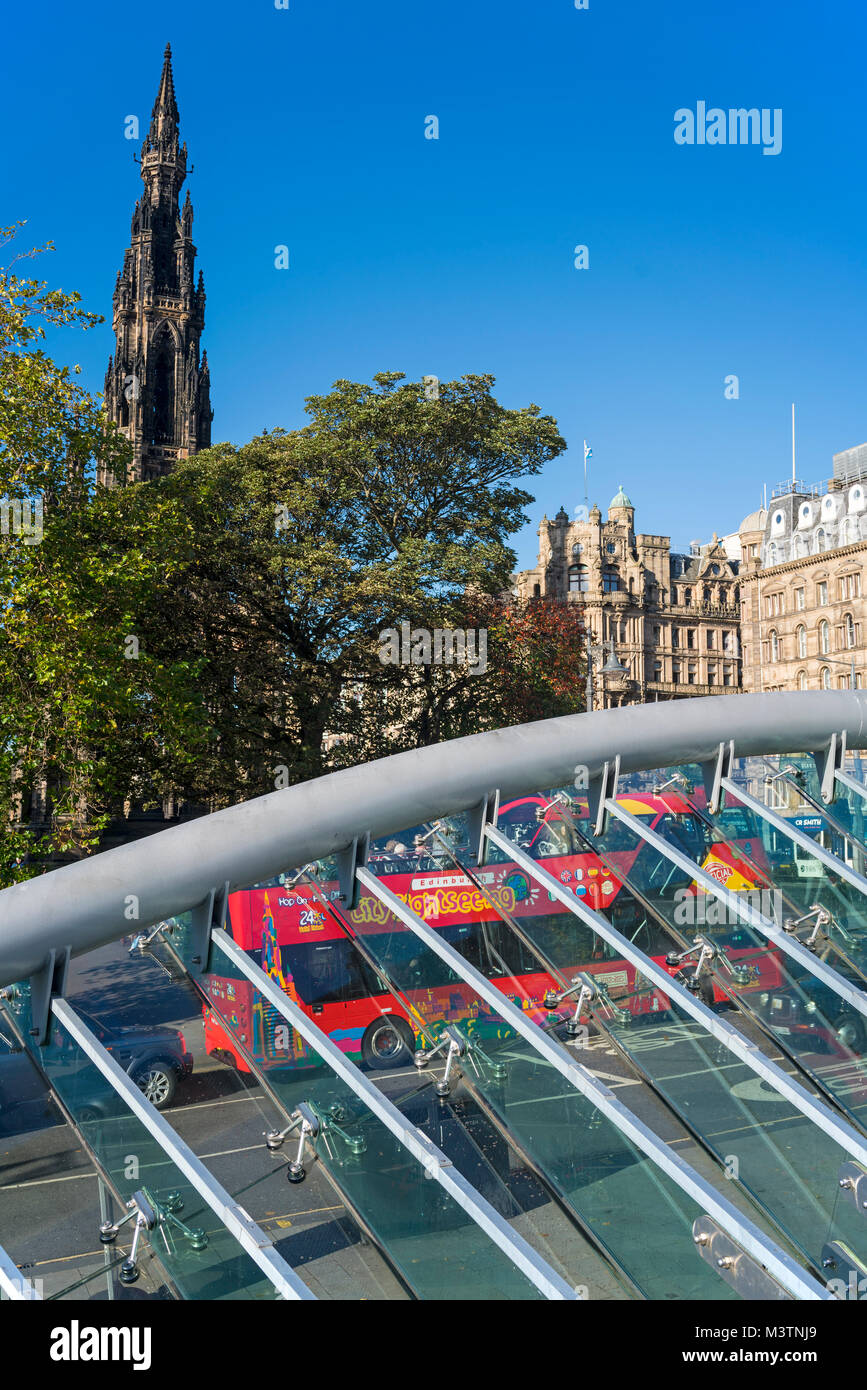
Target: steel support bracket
[(829, 762), (479, 817), (599, 790), (47, 984), (205, 917), (739, 1270), (353, 857), (308, 1118), (713, 772), (852, 1180), (842, 1264)]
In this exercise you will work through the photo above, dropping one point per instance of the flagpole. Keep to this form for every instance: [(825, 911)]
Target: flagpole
[(793, 442)]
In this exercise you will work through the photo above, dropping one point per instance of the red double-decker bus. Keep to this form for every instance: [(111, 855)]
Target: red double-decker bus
[(300, 944)]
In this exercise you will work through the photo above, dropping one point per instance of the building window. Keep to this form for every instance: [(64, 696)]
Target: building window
[(611, 548), (675, 673), (775, 646), (802, 680), (802, 640), (727, 675), (822, 593), (657, 633), (776, 795), (577, 548), (711, 675), (710, 639), (824, 638), (537, 591), (687, 598), (825, 678), (849, 628), (706, 595), (728, 641), (610, 581), (690, 675), (675, 637), (800, 600), (690, 638), (578, 580)]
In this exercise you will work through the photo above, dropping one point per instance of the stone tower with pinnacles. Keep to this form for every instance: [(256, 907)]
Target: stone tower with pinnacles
[(157, 386)]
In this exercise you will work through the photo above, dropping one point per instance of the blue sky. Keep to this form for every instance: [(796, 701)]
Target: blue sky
[(306, 128)]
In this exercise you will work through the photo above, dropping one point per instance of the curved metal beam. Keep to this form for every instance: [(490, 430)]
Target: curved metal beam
[(89, 903)]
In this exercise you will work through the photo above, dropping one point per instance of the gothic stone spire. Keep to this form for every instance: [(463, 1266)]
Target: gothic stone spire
[(156, 390)]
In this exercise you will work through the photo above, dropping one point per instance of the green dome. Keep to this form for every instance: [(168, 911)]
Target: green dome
[(620, 500)]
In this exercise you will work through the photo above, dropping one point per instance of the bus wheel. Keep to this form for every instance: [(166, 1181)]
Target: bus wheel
[(388, 1042)]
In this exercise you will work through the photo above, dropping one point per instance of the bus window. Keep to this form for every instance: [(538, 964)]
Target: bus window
[(413, 965), (686, 833), (505, 953), (330, 972), (737, 823)]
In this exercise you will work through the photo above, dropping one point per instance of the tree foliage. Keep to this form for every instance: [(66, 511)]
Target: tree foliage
[(73, 706), (216, 633), (388, 507)]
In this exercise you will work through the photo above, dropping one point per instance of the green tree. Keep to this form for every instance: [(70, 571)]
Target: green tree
[(388, 507), (77, 711)]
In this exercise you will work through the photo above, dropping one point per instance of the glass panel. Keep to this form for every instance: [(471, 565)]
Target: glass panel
[(379, 1030), (50, 1209), (778, 1155), (803, 1015), (439, 1250), (614, 1189), (203, 1259), (222, 1113), (762, 1141)]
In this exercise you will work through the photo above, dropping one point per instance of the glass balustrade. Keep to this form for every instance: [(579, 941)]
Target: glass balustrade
[(202, 1258), (590, 1163), (761, 1140)]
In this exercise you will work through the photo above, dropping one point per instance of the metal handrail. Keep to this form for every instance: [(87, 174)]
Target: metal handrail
[(94, 901), (13, 1284)]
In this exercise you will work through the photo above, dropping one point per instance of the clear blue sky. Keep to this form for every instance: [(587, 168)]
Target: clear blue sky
[(306, 127)]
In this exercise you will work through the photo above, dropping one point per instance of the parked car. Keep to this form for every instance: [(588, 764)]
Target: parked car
[(155, 1057), (818, 1017)]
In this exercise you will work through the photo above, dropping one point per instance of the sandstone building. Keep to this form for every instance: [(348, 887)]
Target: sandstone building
[(803, 557), (670, 619)]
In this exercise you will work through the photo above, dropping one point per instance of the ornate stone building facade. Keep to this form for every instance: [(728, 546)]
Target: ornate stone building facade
[(671, 620), (157, 388), (803, 615)]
